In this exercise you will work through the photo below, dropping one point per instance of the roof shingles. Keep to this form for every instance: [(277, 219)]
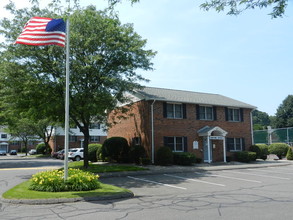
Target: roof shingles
[(170, 95)]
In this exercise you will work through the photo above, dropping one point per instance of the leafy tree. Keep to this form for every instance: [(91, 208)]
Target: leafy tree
[(104, 57), (260, 120), (21, 99), (236, 7), (284, 115), (21, 129)]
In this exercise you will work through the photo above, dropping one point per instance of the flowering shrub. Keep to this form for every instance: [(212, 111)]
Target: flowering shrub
[(53, 181)]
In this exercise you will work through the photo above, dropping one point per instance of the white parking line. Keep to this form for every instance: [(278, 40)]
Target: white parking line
[(228, 177), (30, 168), (269, 171), (149, 181), (278, 168), (200, 181), (274, 177)]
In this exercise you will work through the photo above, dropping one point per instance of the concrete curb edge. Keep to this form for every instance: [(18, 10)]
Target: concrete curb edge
[(122, 195)]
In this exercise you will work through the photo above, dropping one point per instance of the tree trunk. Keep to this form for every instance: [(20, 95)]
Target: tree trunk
[(85, 146)]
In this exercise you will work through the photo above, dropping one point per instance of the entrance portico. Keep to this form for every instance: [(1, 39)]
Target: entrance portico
[(212, 133)]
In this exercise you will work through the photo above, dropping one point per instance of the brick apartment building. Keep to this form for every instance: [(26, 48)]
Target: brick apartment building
[(76, 138), (8, 142), (210, 125)]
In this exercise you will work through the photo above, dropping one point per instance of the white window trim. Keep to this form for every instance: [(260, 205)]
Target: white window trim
[(174, 111), (233, 115), (205, 113), (95, 138), (174, 142), (241, 145)]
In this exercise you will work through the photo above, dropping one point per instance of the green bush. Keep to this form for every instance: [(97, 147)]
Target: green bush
[(42, 149), (99, 153), (53, 181), (115, 148), (145, 161), (279, 149), (92, 153), (245, 156), (261, 151), (184, 158), (164, 156), (198, 160), (289, 154), (136, 153)]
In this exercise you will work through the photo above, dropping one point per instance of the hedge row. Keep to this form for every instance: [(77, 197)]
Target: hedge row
[(117, 149), (262, 150), (165, 156), (245, 156)]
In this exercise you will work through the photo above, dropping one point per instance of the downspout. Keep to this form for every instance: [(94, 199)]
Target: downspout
[(153, 133), (251, 127)]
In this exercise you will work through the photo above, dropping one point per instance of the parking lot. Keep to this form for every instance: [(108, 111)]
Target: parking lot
[(223, 180), (245, 194), (258, 193)]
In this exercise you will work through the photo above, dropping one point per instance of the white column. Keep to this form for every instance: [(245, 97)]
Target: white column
[(209, 149), (224, 149)]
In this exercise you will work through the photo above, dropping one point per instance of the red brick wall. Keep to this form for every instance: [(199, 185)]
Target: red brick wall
[(57, 143), (139, 125)]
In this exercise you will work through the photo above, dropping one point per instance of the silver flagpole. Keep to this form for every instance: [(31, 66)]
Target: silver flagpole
[(66, 140)]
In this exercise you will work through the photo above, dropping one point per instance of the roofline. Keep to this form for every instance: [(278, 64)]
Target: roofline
[(142, 97), (198, 103)]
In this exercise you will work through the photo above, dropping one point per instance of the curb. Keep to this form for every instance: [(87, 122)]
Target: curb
[(122, 195)]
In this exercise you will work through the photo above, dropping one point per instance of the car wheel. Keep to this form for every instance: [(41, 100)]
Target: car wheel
[(77, 158)]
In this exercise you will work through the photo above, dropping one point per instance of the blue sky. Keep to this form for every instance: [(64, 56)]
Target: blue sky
[(247, 57)]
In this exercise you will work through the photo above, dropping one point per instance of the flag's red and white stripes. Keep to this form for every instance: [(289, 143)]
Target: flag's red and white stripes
[(35, 33)]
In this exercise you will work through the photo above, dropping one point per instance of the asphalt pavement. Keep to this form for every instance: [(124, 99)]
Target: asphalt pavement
[(154, 170)]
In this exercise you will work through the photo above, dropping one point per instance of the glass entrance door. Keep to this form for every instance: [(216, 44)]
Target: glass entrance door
[(206, 151)]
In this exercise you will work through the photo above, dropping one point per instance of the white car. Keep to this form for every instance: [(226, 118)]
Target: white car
[(75, 154), (32, 152)]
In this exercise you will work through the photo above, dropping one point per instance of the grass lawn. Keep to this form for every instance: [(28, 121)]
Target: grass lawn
[(102, 168), (21, 191)]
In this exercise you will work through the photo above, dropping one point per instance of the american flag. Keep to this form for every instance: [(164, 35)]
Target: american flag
[(40, 31)]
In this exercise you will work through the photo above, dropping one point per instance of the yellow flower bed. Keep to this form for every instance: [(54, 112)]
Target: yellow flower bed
[(53, 181)]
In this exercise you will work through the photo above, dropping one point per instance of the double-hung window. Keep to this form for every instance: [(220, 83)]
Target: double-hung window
[(94, 138), (235, 144), (176, 144), (72, 138), (234, 114), (174, 110), (206, 113)]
